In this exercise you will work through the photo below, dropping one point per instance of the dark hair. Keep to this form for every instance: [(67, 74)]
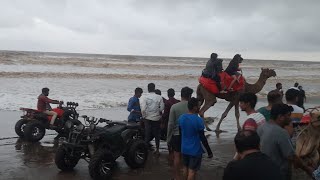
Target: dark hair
[(213, 56), (44, 90), (246, 140), (274, 97), (151, 87), (157, 91), (250, 98), (138, 90), (186, 92), (292, 94), (193, 102), (171, 92), (280, 109), (278, 85), (296, 84)]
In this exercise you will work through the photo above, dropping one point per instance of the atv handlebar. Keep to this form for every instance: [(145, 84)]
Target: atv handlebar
[(94, 120)]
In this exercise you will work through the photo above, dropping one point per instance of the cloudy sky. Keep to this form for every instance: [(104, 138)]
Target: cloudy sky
[(273, 29)]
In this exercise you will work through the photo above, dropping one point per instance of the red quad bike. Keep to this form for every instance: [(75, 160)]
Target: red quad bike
[(33, 124)]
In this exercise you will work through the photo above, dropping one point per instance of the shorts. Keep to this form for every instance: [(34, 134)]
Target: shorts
[(192, 162), (176, 143)]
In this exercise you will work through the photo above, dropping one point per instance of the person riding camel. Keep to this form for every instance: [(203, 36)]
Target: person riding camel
[(233, 69), (212, 69)]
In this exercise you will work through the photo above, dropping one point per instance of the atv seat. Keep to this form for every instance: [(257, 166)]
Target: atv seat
[(133, 126), (115, 129)]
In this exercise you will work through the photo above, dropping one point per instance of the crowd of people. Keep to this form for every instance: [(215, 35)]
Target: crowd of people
[(266, 140)]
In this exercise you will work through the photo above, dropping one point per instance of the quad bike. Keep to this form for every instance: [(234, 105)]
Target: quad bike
[(33, 124), (101, 146)]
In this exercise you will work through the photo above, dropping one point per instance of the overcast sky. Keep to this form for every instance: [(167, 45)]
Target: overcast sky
[(266, 29)]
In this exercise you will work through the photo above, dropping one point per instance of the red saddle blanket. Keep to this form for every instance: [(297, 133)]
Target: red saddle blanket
[(226, 80)]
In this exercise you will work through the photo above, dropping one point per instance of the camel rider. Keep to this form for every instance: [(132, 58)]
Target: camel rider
[(44, 105), (212, 69), (233, 69)]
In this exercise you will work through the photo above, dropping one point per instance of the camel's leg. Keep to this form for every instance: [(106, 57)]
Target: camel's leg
[(204, 108), (224, 115), (237, 114)]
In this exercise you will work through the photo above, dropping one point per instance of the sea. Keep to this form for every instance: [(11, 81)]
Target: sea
[(100, 81)]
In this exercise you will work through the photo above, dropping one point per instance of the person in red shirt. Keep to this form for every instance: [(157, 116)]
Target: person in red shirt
[(44, 105)]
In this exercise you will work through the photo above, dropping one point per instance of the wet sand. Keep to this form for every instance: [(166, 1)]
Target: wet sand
[(23, 160)]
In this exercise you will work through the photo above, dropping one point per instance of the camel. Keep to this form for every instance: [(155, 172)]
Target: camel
[(209, 99)]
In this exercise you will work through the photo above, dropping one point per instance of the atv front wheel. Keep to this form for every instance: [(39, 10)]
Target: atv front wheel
[(19, 127), (101, 165), (137, 154), (64, 161), (34, 131)]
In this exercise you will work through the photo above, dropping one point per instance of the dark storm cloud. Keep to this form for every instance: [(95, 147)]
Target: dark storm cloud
[(261, 29)]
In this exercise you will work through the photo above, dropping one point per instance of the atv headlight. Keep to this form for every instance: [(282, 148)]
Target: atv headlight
[(80, 127), (92, 127), (68, 124)]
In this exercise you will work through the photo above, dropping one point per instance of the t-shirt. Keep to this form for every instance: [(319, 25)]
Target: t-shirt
[(173, 123), (258, 117), (265, 112), (44, 103), (191, 125), (276, 143), (134, 104), (296, 114), (254, 166)]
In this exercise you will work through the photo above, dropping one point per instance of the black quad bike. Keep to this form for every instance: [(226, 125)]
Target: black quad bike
[(101, 146), (33, 123)]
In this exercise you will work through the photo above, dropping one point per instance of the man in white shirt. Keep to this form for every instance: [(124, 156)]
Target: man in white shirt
[(151, 107), (248, 102)]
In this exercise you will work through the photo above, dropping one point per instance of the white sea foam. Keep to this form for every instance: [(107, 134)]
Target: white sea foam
[(102, 81)]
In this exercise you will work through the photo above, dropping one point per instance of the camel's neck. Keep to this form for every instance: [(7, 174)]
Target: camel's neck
[(256, 87)]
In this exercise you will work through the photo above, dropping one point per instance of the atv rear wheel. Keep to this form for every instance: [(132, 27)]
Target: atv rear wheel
[(101, 165), (19, 127), (137, 154), (64, 161), (34, 131)]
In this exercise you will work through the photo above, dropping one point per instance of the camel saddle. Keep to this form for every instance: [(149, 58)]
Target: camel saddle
[(226, 80)]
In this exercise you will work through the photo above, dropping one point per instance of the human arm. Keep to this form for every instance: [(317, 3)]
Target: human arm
[(172, 117), (203, 138), (205, 143), (143, 106), (48, 100), (161, 105)]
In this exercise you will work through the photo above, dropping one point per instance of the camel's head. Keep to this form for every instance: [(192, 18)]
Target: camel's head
[(266, 72)]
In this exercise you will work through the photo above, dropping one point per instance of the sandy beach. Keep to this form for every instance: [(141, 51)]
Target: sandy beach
[(23, 160)]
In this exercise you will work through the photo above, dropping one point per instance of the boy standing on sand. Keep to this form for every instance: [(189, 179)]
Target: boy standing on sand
[(192, 133)]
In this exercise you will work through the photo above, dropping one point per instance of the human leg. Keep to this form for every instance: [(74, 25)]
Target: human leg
[(176, 145), (53, 114), (232, 82), (156, 133)]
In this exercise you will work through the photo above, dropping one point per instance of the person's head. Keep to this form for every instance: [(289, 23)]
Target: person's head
[(138, 92), (296, 84), (238, 58), (151, 87), (274, 97), (171, 93), (300, 87), (292, 96), (247, 101), (280, 113), (279, 86), (186, 93), (250, 125), (213, 56), (194, 105), (45, 91), (247, 140), (157, 91)]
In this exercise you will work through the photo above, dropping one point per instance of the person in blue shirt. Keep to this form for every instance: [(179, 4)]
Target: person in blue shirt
[(192, 134), (134, 106)]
